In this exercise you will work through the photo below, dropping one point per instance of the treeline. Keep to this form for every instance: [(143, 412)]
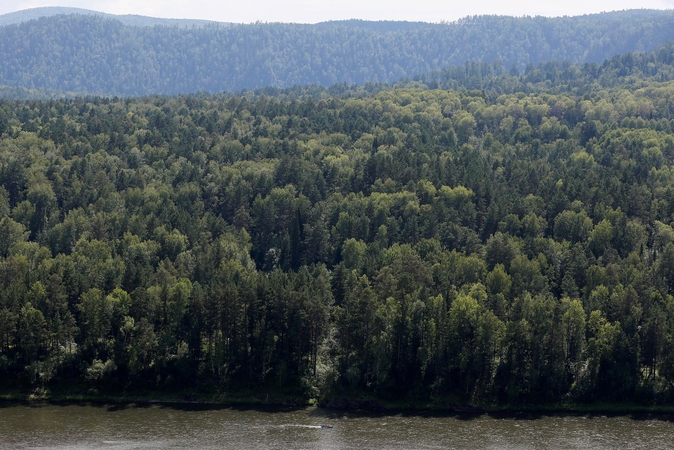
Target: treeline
[(20, 93), (632, 70), (95, 55), (414, 242)]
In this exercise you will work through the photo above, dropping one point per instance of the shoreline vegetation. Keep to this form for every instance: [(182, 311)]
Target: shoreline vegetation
[(364, 403)]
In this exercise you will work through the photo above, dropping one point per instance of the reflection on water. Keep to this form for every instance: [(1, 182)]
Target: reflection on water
[(53, 426)]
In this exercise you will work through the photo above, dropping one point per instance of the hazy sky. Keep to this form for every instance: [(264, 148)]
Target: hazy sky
[(309, 11)]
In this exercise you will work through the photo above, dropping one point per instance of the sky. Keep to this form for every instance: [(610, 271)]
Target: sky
[(312, 11)]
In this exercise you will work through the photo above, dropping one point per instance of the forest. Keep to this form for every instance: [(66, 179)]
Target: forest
[(26, 15), (100, 55), (487, 246)]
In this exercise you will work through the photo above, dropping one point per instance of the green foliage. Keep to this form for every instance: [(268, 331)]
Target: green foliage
[(404, 242)]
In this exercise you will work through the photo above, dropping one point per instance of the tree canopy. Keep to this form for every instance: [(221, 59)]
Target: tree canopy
[(97, 55), (512, 247)]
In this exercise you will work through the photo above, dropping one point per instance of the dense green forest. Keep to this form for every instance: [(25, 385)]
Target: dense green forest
[(97, 55), (416, 242)]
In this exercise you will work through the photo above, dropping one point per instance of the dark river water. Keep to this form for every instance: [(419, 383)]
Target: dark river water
[(48, 426)]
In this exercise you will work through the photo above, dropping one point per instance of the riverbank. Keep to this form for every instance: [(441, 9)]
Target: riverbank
[(235, 398), (363, 403), (451, 407)]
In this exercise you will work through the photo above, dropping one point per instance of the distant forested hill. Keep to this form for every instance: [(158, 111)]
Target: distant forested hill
[(629, 70), (127, 19), (92, 54)]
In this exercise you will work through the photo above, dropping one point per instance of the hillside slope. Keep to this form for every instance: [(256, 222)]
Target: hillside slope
[(26, 15), (421, 245), (91, 54)]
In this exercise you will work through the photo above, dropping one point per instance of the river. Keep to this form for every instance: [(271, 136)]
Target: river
[(87, 426)]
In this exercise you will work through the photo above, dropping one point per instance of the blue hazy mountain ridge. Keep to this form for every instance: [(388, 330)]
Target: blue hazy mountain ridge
[(127, 19), (374, 25), (21, 93), (94, 54), (629, 71)]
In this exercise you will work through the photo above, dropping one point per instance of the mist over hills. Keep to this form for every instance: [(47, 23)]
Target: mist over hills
[(127, 19), (95, 54)]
